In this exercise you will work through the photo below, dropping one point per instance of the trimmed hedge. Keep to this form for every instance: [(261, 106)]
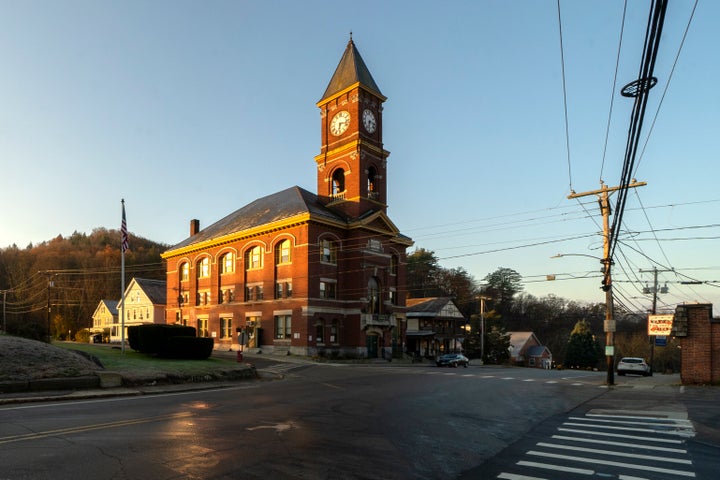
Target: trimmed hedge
[(190, 348), (153, 338)]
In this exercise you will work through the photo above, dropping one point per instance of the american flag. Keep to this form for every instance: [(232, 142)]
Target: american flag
[(123, 230)]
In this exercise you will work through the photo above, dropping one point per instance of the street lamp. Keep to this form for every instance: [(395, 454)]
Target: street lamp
[(609, 325)]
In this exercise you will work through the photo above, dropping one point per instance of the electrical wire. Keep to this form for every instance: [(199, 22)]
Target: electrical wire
[(565, 103), (667, 85), (612, 92)]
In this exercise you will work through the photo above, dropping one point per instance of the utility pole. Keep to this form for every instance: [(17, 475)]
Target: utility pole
[(4, 292), (609, 326), (482, 328), (50, 284), (654, 306)]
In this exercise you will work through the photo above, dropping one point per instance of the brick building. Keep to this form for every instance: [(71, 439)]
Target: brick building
[(300, 272), (699, 335)]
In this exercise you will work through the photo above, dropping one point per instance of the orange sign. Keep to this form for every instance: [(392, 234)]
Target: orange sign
[(660, 324)]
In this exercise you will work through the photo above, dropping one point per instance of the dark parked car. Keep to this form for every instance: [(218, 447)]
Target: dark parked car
[(633, 365), (452, 360)]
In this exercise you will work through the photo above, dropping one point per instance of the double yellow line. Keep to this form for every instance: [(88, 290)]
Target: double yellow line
[(88, 428)]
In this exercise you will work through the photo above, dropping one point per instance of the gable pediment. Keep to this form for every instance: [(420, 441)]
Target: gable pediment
[(378, 222)]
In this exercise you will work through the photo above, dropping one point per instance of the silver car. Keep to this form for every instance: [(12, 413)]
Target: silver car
[(633, 365)]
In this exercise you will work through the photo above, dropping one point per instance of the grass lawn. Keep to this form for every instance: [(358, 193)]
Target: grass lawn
[(142, 365)]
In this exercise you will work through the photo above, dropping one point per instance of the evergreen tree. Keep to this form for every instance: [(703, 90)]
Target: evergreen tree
[(583, 349)]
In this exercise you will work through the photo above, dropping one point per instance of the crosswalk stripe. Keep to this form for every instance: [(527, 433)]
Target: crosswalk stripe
[(624, 429), (597, 461), (650, 421), (514, 476), (664, 422), (639, 417), (557, 468), (610, 452), (621, 435), (618, 444)]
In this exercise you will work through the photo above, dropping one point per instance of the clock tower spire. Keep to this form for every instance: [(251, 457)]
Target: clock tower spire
[(352, 163)]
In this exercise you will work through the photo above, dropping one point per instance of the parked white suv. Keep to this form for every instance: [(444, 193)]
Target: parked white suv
[(633, 365)]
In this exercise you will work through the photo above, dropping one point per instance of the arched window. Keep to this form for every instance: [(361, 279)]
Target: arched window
[(338, 182), (227, 263), (282, 252), (328, 251), (394, 264), (184, 272), (254, 258), (203, 268), (371, 183)]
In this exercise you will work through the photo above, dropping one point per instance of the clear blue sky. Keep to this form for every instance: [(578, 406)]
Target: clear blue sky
[(192, 109)]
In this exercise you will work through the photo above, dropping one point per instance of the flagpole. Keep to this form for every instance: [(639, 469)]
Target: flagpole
[(123, 247)]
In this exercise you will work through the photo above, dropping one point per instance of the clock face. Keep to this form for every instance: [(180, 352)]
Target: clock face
[(369, 121), (340, 123)]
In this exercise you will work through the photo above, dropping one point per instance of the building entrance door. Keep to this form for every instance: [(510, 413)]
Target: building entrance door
[(371, 342)]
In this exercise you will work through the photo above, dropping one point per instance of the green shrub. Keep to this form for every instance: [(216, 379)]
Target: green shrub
[(191, 348), (82, 336), (153, 338)]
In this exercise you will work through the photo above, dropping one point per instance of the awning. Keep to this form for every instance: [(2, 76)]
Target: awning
[(423, 333)]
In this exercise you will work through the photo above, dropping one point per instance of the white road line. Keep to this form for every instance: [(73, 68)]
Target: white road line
[(575, 448), (529, 380), (663, 422), (508, 378), (597, 461), (624, 429), (576, 384), (619, 444), (513, 476), (558, 468), (641, 417), (620, 435), (551, 381)]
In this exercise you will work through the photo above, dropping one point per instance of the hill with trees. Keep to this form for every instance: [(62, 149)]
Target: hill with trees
[(70, 275)]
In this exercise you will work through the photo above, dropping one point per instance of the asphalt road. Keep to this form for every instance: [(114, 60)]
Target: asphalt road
[(319, 422)]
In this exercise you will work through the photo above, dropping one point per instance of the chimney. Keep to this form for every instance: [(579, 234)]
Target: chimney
[(194, 226)]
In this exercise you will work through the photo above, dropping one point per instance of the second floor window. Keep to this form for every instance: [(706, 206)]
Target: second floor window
[(282, 252), (184, 272), (254, 258), (227, 263), (328, 251), (203, 268)]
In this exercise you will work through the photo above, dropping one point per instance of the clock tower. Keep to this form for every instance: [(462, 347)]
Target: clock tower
[(352, 164)]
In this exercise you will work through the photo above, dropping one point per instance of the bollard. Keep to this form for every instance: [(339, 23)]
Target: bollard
[(239, 356)]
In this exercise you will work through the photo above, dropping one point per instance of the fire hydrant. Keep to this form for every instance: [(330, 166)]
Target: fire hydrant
[(239, 356)]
